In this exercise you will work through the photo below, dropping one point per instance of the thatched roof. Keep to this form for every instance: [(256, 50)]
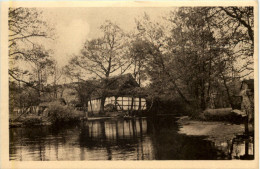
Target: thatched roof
[(121, 82), (122, 85)]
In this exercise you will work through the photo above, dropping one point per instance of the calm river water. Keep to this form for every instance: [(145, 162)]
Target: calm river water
[(115, 139)]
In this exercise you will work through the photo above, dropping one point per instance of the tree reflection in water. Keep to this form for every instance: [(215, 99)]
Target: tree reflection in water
[(122, 139), (118, 139)]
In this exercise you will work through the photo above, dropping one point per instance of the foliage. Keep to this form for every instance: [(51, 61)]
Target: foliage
[(62, 113), (30, 63), (31, 121), (192, 54), (192, 58), (103, 56), (186, 59), (24, 25), (195, 48), (21, 96)]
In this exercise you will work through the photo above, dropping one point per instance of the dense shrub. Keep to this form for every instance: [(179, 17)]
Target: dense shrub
[(172, 106), (31, 121), (58, 112)]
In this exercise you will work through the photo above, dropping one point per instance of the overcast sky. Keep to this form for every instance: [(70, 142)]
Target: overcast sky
[(75, 25)]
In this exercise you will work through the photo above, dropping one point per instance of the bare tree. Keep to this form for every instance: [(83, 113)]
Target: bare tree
[(103, 56), (25, 27), (56, 74), (234, 28)]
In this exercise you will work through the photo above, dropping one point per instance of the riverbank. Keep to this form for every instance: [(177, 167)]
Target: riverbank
[(213, 130), (229, 138), (222, 114), (33, 120), (137, 139)]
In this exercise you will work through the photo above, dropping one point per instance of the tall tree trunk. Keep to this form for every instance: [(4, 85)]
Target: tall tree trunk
[(202, 95), (202, 86), (20, 98), (103, 94), (132, 104), (180, 93), (173, 80), (227, 90), (140, 104), (209, 84), (39, 83), (102, 103)]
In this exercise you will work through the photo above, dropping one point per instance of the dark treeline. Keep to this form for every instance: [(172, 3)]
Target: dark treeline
[(190, 60)]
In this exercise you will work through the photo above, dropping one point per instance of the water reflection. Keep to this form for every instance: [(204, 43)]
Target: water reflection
[(240, 147), (117, 139), (139, 139)]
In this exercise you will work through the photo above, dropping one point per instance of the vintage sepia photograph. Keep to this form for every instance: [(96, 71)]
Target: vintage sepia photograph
[(132, 83)]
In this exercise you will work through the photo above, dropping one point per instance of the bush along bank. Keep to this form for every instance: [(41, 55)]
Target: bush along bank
[(54, 113), (60, 113), (28, 120)]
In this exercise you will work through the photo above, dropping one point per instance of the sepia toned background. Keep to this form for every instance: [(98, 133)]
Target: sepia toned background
[(62, 48)]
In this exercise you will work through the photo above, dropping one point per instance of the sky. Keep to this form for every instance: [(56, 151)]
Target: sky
[(73, 26)]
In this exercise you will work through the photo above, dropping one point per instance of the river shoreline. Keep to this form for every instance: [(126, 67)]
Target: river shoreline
[(175, 138), (213, 130), (13, 124)]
